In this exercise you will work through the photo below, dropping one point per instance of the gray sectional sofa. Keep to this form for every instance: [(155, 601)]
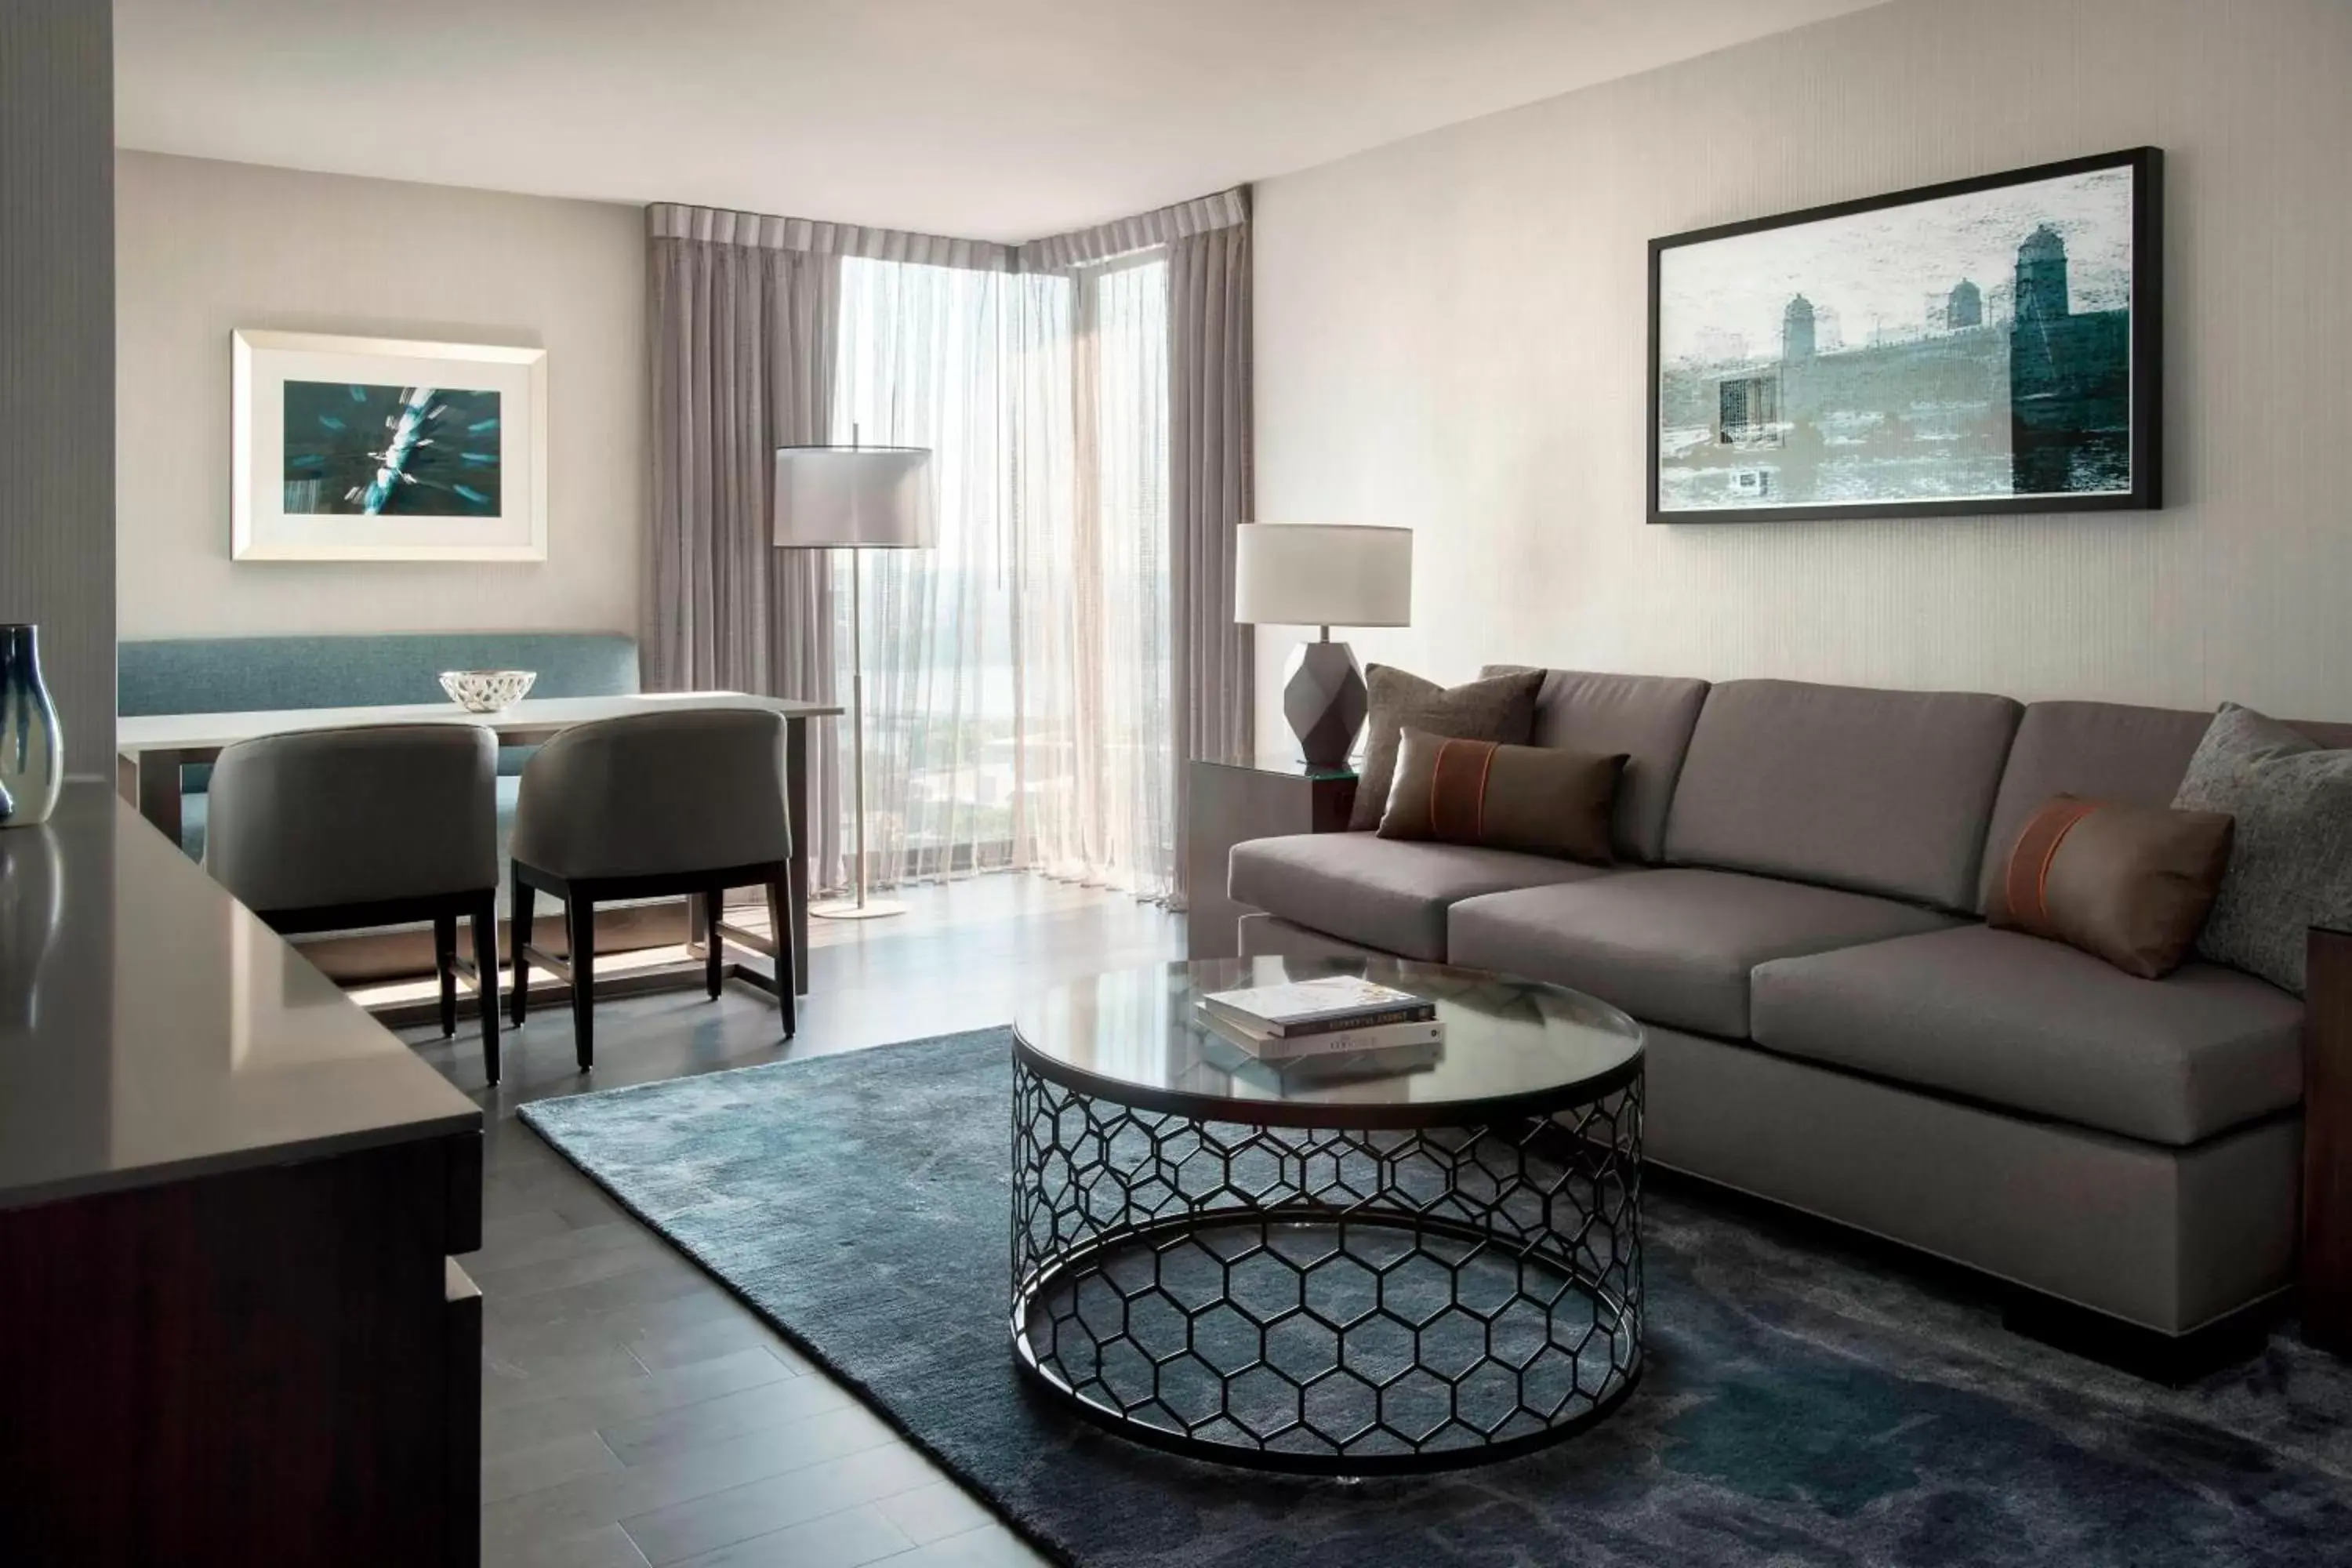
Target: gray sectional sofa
[(1796, 918)]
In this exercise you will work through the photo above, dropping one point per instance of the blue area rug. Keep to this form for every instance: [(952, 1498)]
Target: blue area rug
[(1802, 1405)]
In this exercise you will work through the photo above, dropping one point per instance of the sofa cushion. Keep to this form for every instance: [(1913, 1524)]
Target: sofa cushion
[(2107, 751), (2099, 750), (1647, 716), (1671, 946), (1500, 708), (1387, 893), (1542, 799), (2291, 865), (2128, 884), (2008, 1020), (1882, 792)]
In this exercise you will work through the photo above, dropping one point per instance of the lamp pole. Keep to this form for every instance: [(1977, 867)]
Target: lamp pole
[(855, 498), (857, 705)]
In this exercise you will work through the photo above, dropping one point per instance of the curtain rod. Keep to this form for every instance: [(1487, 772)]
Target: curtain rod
[(1054, 253)]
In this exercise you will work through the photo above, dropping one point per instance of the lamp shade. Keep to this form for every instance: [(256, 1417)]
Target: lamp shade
[(874, 497), (1312, 574)]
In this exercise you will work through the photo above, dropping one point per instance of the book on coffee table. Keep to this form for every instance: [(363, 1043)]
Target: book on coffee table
[(1333, 1003), (1331, 1076), (1359, 1040)]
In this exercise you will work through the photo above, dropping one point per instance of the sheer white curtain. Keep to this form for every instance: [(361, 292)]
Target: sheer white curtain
[(922, 364), (1096, 643), (1017, 677)]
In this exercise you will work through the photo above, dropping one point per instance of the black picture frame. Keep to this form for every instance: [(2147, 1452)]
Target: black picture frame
[(2145, 336)]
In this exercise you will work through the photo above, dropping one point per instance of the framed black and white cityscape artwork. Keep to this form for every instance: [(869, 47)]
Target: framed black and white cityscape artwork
[(1989, 345), (384, 450)]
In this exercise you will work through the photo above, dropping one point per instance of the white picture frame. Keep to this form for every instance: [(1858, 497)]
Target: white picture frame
[(463, 489)]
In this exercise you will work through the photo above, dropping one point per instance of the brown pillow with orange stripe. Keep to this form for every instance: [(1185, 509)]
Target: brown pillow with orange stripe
[(2131, 884), (1536, 798)]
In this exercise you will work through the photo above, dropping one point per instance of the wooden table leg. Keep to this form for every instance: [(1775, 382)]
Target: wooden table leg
[(2326, 1282), (150, 781), (797, 812)]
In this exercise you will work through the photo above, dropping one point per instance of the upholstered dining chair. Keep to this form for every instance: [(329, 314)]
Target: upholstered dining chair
[(372, 825), (647, 806)]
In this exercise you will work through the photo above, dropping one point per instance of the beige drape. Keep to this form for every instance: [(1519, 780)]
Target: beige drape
[(1210, 490), (741, 335)]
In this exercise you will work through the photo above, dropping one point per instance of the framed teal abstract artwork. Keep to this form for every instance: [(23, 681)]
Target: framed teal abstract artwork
[(385, 449)]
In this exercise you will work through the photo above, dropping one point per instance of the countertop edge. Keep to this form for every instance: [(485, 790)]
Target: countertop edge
[(234, 1161)]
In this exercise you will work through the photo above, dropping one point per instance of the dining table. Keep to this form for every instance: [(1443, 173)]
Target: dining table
[(151, 750)]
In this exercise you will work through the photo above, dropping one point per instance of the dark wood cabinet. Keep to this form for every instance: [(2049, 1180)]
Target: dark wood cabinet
[(232, 1330), (1229, 803), (263, 1367)]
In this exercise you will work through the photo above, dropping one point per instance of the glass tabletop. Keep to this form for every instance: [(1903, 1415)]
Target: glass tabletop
[(1139, 1037)]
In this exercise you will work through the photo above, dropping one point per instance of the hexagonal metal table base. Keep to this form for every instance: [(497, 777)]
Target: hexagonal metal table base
[(1328, 1301)]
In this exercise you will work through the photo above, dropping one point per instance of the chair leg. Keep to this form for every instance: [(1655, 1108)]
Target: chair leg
[(714, 964), (484, 921), (518, 910), (579, 931), (787, 965), (445, 967)]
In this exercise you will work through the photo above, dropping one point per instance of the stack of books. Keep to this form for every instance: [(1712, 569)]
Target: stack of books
[(1339, 1016)]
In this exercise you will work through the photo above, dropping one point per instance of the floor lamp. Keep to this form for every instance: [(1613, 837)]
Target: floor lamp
[(856, 498)]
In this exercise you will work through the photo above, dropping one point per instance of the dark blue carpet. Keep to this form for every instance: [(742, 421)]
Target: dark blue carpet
[(1803, 1403)]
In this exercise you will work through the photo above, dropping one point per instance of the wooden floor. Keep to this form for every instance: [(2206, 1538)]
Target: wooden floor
[(634, 1412)]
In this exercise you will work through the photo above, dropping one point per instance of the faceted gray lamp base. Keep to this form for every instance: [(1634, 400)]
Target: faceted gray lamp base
[(1324, 697)]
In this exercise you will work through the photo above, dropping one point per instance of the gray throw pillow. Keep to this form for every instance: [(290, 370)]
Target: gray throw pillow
[(2291, 863), (1502, 709)]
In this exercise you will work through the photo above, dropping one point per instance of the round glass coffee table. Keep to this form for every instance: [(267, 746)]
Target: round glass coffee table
[(1360, 1266)]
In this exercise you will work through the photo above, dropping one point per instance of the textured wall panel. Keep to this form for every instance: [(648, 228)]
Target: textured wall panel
[(1451, 336), (57, 354), (207, 248)]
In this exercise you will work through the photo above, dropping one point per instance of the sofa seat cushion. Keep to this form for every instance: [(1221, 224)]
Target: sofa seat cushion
[(1673, 946), (1388, 893), (2034, 1026)]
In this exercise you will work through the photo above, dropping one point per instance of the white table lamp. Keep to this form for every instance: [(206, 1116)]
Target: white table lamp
[(855, 498), (1308, 574)]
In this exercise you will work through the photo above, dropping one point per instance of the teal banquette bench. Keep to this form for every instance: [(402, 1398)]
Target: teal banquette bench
[(244, 675)]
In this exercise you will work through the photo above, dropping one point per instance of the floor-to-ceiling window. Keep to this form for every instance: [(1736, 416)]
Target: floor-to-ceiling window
[(1017, 677)]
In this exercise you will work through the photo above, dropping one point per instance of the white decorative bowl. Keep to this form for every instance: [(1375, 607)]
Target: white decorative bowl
[(486, 690)]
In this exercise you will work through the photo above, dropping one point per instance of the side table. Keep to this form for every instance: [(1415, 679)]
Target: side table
[(2326, 1282), (1229, 803)]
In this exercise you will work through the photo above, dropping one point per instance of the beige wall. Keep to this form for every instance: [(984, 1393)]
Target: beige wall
[(205, 248), (1451, 336)]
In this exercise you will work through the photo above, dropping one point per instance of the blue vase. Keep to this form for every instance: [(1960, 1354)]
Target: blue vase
[(32, 753)]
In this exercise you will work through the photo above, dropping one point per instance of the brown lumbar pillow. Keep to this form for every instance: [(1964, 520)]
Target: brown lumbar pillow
[(1502, 709), (2130, 884), (1507, 797)]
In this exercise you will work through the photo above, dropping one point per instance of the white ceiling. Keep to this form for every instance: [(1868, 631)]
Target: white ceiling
[(986, 119)]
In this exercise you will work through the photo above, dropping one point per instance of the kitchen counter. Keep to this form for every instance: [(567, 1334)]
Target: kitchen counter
[(152, 1029), (229, 1206)]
